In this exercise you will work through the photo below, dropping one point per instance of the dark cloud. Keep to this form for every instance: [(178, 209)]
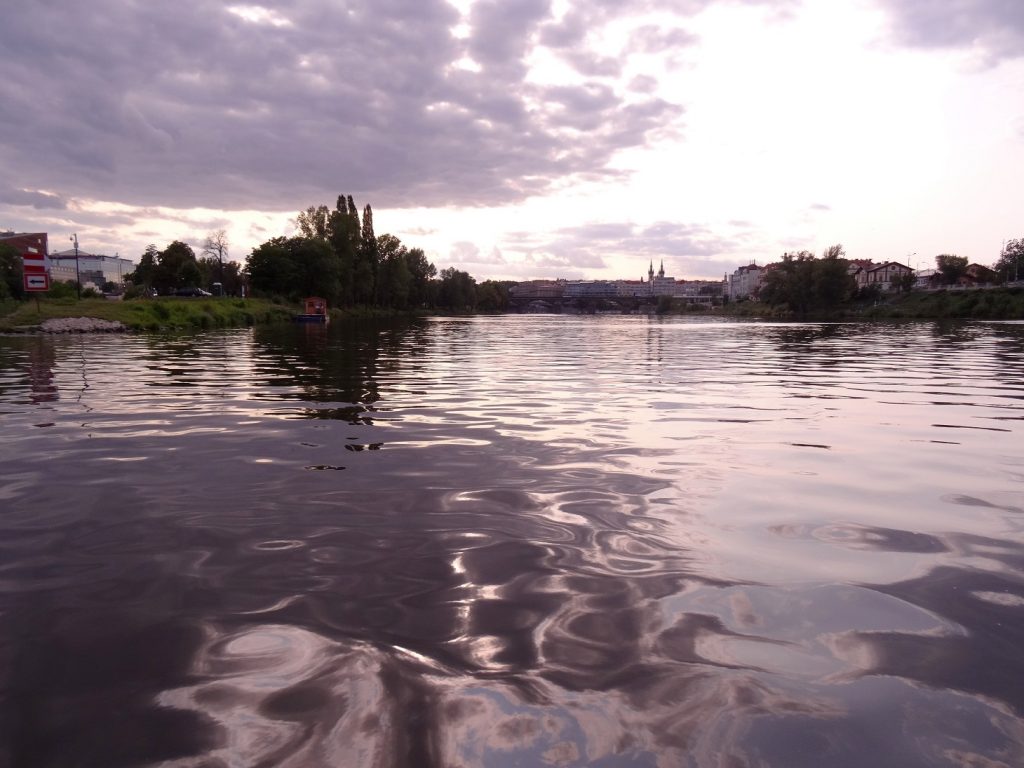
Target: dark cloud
[(194, 105), (37, 200), (994, 26)]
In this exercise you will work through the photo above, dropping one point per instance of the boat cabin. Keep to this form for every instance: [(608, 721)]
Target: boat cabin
[(316, 306)]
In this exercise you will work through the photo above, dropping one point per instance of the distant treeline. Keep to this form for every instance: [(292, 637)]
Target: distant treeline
[(803, 284), (339, 257)]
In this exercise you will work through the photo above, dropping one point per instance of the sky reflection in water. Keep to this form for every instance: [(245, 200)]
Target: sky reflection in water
[(514, 541)]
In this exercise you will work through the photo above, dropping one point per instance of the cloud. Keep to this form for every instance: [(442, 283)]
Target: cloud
[(688, 250), (284, 104), (652, 39), (34, 198), (465, 253), (663, 239), (996, 27)]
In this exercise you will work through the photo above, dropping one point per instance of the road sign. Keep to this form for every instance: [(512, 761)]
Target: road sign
[(35, 268), (37, 282)]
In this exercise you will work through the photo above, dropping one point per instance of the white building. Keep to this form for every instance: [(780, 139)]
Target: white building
[(742, 283), (92, 268)]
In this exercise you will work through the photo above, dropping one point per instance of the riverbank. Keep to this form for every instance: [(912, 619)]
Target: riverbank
[(157, 315), (161, 314), (976, 304), (971, 304)]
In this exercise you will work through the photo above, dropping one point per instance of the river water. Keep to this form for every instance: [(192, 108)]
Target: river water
[(514, 541)]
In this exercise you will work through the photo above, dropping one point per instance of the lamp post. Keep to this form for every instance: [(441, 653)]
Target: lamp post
[(78, 274)]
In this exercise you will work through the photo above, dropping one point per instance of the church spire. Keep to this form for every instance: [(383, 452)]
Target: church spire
[(661, 272), (650, 271)]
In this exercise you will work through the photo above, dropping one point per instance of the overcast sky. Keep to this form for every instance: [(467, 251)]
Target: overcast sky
[(523, 138)]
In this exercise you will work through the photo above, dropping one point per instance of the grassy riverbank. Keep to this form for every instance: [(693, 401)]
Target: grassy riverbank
[(168, 313), (979, 304), (976, 304)]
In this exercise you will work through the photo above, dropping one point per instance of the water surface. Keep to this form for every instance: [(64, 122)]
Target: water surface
[(514, 541)]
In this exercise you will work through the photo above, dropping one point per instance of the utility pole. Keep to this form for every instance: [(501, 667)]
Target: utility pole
[(78, 273)]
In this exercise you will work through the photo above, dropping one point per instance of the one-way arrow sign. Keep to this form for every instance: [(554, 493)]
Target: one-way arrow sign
[(37, 282)]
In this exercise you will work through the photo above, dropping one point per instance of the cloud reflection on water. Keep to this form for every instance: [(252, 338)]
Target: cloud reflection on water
[(612, 566)]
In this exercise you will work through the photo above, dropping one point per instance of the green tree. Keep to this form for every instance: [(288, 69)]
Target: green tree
[(365, 274), (294, 267), (421, 272), (270, 268), (394, 278), (315, 222), (456, 290), (790, 283), (905, 282), (803, 284), (145, 272), (176, 267), (492, 295), (951, 267), (344, 238), (1010, 265), (228, 274), (316, 269), (11, 269), (833, 284)]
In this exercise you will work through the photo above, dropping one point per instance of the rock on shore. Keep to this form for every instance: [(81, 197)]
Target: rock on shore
[(81, 325)]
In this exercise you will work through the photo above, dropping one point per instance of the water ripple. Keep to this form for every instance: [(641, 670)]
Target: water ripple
[(560, 540)]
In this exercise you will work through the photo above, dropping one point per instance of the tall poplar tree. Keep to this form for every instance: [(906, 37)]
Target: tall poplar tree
[(366, 271), (344, 240)]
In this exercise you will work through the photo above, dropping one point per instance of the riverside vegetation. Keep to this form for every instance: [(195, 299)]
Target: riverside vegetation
[(159, 314)]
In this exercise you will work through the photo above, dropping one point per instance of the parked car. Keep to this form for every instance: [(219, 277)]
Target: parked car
[(192, 292)]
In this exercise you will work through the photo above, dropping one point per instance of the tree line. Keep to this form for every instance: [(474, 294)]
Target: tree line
[(804, 283), (177, 266), (338, 256), (335, 254)]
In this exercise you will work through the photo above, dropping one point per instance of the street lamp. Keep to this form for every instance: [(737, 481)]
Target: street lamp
[(78, 274)]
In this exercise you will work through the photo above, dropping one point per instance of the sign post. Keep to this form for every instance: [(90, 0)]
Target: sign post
[(34, 276)]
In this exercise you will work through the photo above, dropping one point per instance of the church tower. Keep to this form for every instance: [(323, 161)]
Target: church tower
[(650, 272), (661, 271)]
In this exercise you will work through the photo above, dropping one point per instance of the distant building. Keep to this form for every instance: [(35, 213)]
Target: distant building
[(743, 283), (26, 242), (537, 289), (858, 270), (978, 274), (885, 275), (92, 268), (590, 289), (925, 279), (631, 288)]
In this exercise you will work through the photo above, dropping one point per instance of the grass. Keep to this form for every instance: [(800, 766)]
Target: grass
[(976, 304), (990, 304), (160, 314)]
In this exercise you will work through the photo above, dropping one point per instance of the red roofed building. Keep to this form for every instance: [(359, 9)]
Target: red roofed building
[(31, 244)]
